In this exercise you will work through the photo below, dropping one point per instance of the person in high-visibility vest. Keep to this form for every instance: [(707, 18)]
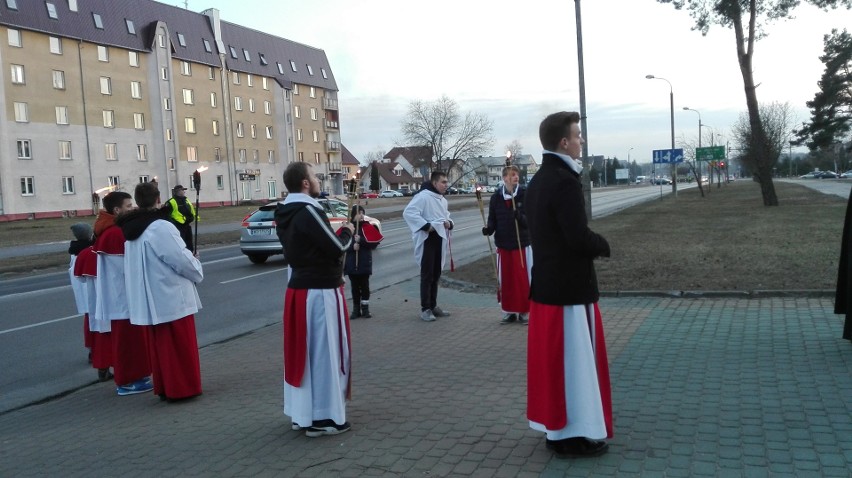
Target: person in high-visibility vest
[(181, 213)]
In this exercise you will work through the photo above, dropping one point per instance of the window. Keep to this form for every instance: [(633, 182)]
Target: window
[(188, 97), (133, 58), (131, 29), (22, 114), (136, 90), (139, 120), (161, 40), (249, 80), (189, 124), (144, 179), (317, 158), (310, 70), (61, 115), (211, 73), (253, 131), (280, 68), (64, 150), (242, 156), (295, 88), (213, 99), (164, 73), (324, 75), (246, 55), (185, 68), (293, 65), (56, 45), (106, 86), (99, 24), (18, 74), (233, 52), (215, 128), (67, 184), (142, 152), (59, 79), (167, 104), (14, 37), (297, 111), (265, 82), (12, 4), (255, 156), (236, 77), (217, 155), (262, 59), (103, 53), (24, 149), (238, 103), (220, 181), (72, 5), (267, 107), (109, 119), (240, 130), (269, 132), (181, 40), (169, 134), (27, 186), (271, 189), (314, 114), (301, 157), (51, 10), (172, 164), (251, 105), (313, 92), (299, 134), (207, 46), (316, 136), (114, 181), (110, 153)]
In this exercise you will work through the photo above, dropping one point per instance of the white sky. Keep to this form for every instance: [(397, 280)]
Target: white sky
[(516, 62)]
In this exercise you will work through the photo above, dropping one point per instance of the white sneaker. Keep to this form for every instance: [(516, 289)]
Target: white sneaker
[(437, 312), (427, 316)]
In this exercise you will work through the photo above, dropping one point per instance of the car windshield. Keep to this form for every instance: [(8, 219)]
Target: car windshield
[(262, 215), (335, 208)]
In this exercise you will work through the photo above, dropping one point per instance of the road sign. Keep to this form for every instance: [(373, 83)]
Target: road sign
[(667, 156), (710, 153)]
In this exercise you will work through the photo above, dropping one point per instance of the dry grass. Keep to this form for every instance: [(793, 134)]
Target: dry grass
[(725, 241)]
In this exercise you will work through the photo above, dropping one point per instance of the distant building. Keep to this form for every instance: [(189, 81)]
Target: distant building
[(488, 170), (109, 94)]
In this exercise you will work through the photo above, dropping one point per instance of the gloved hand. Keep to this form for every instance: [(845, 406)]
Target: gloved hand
[(485, 231)]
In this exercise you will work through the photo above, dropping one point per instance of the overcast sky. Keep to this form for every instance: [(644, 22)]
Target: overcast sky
[(516, 62)]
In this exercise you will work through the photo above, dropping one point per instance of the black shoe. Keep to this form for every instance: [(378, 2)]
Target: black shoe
[(507, 318), (104, 374), (578, 447), (326, 427), (365, 311)]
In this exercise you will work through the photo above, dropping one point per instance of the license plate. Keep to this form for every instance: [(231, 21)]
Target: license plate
[(260, 232)]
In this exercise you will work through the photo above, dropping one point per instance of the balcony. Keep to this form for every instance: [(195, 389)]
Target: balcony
[(332, 145), (329, 103), (329, 124), (334, 167)]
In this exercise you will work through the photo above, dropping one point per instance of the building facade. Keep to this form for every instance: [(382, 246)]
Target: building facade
[(103, 94)]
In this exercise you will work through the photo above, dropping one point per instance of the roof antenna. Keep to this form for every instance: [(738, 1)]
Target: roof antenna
[(186, 4)]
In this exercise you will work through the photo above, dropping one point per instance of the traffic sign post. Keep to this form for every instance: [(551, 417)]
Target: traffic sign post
[(667, 156)]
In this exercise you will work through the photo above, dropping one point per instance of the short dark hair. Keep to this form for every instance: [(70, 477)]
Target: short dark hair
[(555, 127), (436, 175), (295, 173), (114, 200), (146, 195)]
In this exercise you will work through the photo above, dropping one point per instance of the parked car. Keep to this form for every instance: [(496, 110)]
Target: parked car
[(660, 181), (258, 239), (827, 175), (452, 190), (811, 175), (390, 193), (406, 191), (368, 195), (466, 191), (847, 174)]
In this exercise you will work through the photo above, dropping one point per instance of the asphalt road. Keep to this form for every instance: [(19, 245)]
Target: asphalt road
[(41, 333)]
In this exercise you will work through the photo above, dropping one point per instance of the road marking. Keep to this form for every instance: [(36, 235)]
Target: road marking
[(254, 275), (24, 327), (216, 261)]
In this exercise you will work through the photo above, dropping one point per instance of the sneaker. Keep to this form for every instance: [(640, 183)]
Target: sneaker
[(523, 320), (296, 427), (508, 318), (439, 313), (139, 386), (427, 316), (326, 427)]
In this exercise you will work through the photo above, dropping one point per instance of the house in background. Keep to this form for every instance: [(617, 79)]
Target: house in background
[(392, 175), (488, 170)]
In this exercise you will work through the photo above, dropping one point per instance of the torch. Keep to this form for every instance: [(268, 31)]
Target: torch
[(515, 211), (196, 184), (488, 238)]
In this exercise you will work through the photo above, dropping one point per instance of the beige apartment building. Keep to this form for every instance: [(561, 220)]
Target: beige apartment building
[(99, 95)]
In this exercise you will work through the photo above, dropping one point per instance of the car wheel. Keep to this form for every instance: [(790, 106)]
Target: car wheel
[(258, 258)]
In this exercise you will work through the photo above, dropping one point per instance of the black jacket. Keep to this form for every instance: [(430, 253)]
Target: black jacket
[(501, 220), (314, 252), (365, 259), (563, 246)]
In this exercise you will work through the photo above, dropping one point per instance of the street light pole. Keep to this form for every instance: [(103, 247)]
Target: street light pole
[(584, 178), (671, 105), (629, 168)]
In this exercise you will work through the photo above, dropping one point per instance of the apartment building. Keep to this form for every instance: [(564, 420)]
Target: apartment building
[(104, 94)]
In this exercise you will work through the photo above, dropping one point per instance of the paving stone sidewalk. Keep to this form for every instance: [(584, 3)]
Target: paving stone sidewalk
[(701, 387)]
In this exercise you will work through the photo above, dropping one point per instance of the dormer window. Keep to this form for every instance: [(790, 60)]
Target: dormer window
[(310, 70), (181, 40), (246, 55), (131, 29), (207, 46), (293, 66), (233, 52), (51, 10), (99, 24), (262, 59)]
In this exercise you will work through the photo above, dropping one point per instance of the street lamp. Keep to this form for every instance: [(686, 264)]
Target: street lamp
[(671, 105)]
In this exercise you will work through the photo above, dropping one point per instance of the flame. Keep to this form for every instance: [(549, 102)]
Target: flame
[(108, 188), (202, 169)]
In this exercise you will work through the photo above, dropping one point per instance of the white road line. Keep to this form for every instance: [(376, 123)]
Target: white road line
[(254, 275), (222, 260), (39, 324)]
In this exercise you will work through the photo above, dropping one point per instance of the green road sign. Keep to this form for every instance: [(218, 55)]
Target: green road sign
[(710, 153)]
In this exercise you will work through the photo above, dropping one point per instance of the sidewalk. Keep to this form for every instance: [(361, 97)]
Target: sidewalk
[(701, 387)]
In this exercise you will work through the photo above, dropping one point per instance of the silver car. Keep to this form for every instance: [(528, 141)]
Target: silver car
[(258, 239)]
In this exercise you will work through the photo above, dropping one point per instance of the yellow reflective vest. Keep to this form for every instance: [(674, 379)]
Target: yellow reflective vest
[(176, 214)]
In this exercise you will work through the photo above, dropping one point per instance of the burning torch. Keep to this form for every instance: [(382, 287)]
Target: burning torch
[(196, 184)]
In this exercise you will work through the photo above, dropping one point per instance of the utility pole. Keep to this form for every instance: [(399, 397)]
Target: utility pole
[(585, 179)]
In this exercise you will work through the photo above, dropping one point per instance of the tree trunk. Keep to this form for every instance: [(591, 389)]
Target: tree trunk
[(759, 147)]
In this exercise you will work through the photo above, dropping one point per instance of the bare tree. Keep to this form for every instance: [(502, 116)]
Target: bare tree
[(691, 160), (376, 154), (515, 148), (777, 120), (440, 125)]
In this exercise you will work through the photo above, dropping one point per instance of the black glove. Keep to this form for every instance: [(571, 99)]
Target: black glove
[(485, 231)]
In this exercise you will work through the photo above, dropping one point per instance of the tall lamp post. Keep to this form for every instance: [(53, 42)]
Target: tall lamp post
[(697, 163), (629, 168), (671, 104)]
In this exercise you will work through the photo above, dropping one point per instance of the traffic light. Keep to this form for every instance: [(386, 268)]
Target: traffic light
[(722, 164)]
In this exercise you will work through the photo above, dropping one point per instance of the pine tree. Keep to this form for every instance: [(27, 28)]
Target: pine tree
[(375, 183)]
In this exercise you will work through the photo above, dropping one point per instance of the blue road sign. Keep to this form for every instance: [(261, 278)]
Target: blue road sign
[(667, 156)]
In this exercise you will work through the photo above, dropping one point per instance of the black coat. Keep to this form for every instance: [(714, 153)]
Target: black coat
[(563, 246), (843, 294), (501, 221), (365, 258)]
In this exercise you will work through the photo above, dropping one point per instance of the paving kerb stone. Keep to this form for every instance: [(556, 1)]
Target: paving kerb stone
[(700, 387)]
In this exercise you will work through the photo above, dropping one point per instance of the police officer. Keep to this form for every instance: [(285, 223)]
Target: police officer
[(181, 213)]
